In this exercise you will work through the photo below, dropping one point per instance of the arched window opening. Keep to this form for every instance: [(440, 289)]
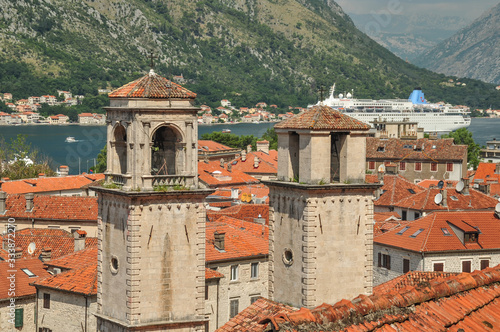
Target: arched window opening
[(120, 143), (166, 152)]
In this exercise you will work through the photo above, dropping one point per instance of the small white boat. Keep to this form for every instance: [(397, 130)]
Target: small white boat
[(226, 130), (70, 139)]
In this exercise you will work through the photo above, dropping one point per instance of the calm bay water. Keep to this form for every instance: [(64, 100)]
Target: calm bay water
[(79, 156)]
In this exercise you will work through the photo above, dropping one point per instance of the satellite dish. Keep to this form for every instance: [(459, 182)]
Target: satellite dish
[(460, 186), (31, 248), (497, 208), (441, 184), (438, 198), (381, 169)]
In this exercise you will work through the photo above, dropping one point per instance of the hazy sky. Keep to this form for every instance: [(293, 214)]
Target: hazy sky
[(468, 9)]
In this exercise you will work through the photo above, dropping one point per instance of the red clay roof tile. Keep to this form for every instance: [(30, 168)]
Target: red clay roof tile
[(212, 274), (50, 184), (22, 280)]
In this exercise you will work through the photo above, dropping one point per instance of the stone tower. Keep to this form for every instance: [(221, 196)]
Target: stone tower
[(151, 270), (321, 210)]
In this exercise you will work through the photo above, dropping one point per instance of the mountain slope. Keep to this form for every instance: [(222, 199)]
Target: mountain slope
[(277, 51), (472, 52)]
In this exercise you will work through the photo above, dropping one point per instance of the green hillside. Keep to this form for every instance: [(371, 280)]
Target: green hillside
[(276, 51)]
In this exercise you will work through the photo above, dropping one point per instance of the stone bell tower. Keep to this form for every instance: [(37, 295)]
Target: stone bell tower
[(151, 222), (321, 229)]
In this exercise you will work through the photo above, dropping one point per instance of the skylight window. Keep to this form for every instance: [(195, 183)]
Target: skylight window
[(446, 232), (28, 273), (403, 230), (380, 149), (417, 232), (455, 198), (411, 191)]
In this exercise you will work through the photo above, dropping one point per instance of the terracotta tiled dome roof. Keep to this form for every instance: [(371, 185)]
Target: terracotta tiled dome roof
[(152, 86), (322, 118)]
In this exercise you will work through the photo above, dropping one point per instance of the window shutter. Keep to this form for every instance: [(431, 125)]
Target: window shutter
[(18, 321), (388, 262), (485, 263), (379, 259)]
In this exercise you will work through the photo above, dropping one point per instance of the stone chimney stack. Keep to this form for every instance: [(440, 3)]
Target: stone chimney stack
[(243, 155), (46, 254), (29, 201), (219, 239), (263, 146), (229, 167), (497, 168), (249, 148), (80, 237), (222, 162), (18, 253), (41, 175), (63, 170), (3, 199), (444, 192), (255, 162), (466, 186)]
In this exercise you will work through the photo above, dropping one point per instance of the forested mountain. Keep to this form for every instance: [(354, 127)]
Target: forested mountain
[(277, 51), (472, 52)]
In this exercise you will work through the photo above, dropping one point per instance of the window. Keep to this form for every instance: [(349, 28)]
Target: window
[(381, 149), (254, 298), (417, 215), (234, 272), (19, 315), (434, 167), (403, 230), (46, 301), (417, 232), (384, 261), (402, 166), (28, 273), (466, 266), (406, 265), (233, 307), (449, 167), (206, 291), (438, 267), (470, 237), (371, 165), (404, 216), (254, 270), (446, 232), (485, 263), (418, 166)]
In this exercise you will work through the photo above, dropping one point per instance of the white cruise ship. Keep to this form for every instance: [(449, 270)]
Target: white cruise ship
[(431, 117)]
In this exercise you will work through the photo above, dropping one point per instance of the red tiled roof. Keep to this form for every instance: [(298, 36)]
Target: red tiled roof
[(50, 184), (424, 201), (81, 280), (71, 208), (152, 86), (486, 172), (212, 146), (22, 280), (212, 274), (60, 241), (427, 150), (245, 212), (470, 302), (412, 278), (267, 163), (432, 238), (396, 188), (242, 239), (213, 174), (249, 318), (76, 259), (322, 118)]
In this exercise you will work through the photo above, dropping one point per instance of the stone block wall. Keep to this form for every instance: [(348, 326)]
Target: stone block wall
[(28, 304)]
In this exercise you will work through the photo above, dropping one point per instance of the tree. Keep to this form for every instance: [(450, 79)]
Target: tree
[(19, 161), (271, 136), (463, 136), (101, 161)]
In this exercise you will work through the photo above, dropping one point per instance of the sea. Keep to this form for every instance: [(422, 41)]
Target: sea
[(50, 140)]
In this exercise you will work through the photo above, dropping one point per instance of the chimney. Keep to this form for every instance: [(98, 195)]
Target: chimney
[(3, 199), (449, 184), (263, 146), (259, 220), (29, 201), (222, 162), (219, 240), (466, 186), (80, 236), (249, 148), (243, 155), (63, 170), (444, 192), (255, 162), (497, 168), (46, 254), (18, 253), (41, 175)]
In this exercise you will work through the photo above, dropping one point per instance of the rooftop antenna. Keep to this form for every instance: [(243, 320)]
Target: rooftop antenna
[(441, 184), (438, 199), (321, 91)]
